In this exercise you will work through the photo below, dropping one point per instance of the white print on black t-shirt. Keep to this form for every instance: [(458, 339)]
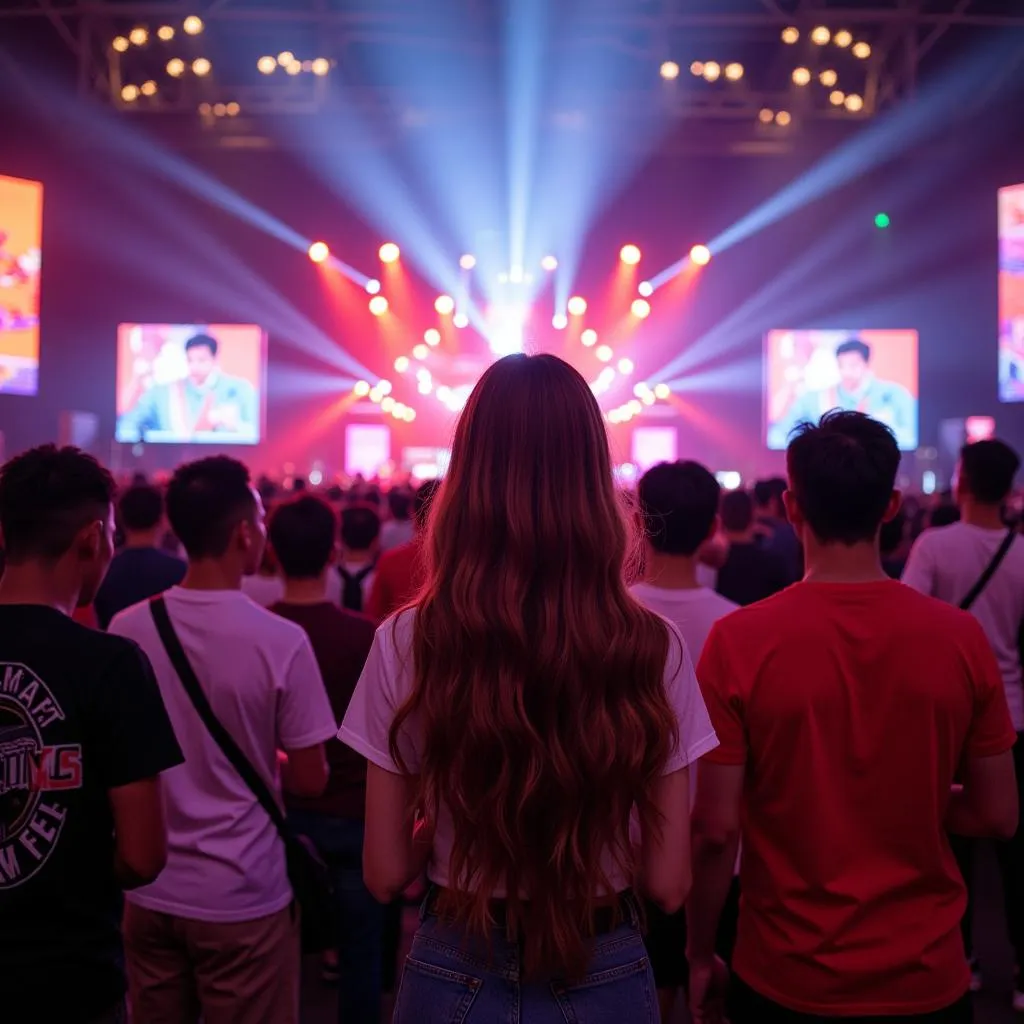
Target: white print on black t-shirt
[(32, 774)]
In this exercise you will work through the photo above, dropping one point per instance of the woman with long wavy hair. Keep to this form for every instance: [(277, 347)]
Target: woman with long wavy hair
[(519, 717)]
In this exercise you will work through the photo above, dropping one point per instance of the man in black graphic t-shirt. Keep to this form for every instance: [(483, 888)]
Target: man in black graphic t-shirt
[(83, 739)]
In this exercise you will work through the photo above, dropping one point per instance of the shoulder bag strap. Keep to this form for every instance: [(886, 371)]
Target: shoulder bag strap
[(220, 735), (997, 559)]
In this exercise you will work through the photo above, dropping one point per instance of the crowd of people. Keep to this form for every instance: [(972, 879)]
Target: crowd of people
[(500, 686)]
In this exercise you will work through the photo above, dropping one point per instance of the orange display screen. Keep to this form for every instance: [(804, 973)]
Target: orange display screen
[(21, 245)]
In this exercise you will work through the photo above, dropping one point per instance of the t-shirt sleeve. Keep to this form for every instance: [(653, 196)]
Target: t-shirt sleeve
[(130, 733), (379, 693), (696, 735), (720, 689), (304, 715), (991, 731), (919, 572)]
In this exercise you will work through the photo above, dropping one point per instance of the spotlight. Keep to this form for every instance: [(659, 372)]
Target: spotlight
[(670, 70), (193, 25), (285, 57), (376, 394), (766, 115), (589, 337), (165, 33), (882, 221), (634, 407), (801, 76), (432, 337), (148, 88), (734, 72), (378, 305), (467, 261), (420, 351), (549, 263), (120, 44), (422, 374), (130, 93), (387, 403), (219, 110), (630, 255), (641, 389), (266, 65), (515, 275), (820, 35), (662, 391), (389, 253), (409, 415), (425, 387), (645, 288), (842, 39), (837, 97), (205, 109), (626, 367), (697, 69), (712, 71), (460, 320), (828, 78), (175, 67), (559, 321), (293, 69), (647, 398), (444, 304), (700, 255), (320, 67), (401, 364), (783, 118), (641, 309), (604, 353), (138, 37), (384, 387), (372, 286), (861, 51), (791, 35), (362, 389), (201, 67), (577, 305), (318, 252), (233, 109), (854, 103)]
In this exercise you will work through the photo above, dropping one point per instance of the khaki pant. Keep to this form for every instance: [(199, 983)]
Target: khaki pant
[(245, 972)]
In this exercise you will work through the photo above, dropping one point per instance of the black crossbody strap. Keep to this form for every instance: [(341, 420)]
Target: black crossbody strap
[(220, 735), (997, 559)]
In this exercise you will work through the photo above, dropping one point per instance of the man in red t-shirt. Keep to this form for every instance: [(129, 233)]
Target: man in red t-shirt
[(844, 707)]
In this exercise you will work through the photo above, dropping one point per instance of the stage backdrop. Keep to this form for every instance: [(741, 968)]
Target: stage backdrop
[(1011, 294), (21, 227)]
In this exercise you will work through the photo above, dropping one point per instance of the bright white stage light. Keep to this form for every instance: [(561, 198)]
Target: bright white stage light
[(432, 336), (646, 289), (372, 286), (662, 391), (467, 261), (604, 353), (559, 321), (266, 65), (420, 351), (589, 337), (577, 305), (505, 331), (402, 364), (444, 304), (549, 263), (626, 367), (193, 25), (460, 320)]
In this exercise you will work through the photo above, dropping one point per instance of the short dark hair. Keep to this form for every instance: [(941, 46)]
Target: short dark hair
[(47, 495), (202, 341), (400, 502), (140, 508), (360, 527), (302, 533), (679, 501), (206, 500), (737, 511), (855, 345), (842, 471), (767, 491), (421, 502), (987, 469)]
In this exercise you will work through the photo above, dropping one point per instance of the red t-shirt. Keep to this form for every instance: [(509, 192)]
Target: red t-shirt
[(396, 580), (852, 706)]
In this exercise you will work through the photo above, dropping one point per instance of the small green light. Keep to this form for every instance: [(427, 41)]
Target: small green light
[(882, 220)]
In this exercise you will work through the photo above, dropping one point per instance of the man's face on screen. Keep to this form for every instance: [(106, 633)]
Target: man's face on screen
[(201, 363), (853, 370)]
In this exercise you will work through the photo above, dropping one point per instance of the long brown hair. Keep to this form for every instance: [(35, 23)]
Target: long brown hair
[(538, 691)]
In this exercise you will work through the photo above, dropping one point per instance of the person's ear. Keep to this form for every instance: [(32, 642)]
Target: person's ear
[(716, 526), (891, 510), (792, 510)]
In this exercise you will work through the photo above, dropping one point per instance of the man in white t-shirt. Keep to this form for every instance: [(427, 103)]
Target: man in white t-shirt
[(217, 934), (679, 503), (946, 562)]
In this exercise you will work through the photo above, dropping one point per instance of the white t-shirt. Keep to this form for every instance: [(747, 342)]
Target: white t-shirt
[(387, 680), (945, 562), (225, 860), (693, 612), (269, 590)]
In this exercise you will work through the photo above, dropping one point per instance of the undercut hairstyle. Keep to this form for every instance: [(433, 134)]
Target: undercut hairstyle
[(855, 345), (679, 502), (202, 341), (140, 508), (206, 500), (302, 533), (737, 511), (842, 471), (47, 496), (424, 498), (767, 491), (360, 527), (987, 469), (400, 503)]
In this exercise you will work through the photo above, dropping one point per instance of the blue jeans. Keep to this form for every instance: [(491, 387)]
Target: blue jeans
[(360, 916), (452, 977)]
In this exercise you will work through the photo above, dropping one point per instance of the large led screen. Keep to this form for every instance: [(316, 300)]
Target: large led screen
[(190, 384), (1011, 294), (808, 373), (21, 242)]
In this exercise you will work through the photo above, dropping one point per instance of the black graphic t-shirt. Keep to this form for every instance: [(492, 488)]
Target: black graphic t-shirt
[(80, 714)]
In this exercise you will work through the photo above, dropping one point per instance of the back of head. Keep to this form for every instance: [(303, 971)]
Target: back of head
[(302, 533), (987, 469), (140, 508), (360, 527), (679, 501), (400, 503), (768, 494), (206, 502), (842, 472), (538, 698), (737, 511)]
